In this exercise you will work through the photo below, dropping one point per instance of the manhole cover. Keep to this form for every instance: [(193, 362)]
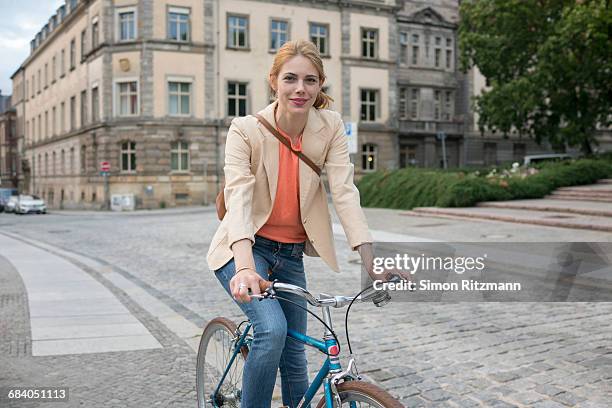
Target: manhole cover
[(58, 231)]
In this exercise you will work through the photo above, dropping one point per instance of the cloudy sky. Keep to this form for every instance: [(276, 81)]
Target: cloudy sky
[(21, 20)]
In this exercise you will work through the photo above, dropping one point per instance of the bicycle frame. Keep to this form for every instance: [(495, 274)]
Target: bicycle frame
[(331, 365)]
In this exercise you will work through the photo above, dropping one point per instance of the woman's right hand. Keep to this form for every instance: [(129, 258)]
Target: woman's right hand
[(243, 281)]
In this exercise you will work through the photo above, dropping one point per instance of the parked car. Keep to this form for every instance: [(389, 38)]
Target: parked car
[(30, 204), (5, 194), (538, 158), (11, 204)]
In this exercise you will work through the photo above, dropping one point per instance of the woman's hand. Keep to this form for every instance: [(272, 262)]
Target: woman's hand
[(243, 281), (366, 252)]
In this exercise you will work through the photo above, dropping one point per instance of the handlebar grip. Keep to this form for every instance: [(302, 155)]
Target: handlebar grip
[(264, 285)]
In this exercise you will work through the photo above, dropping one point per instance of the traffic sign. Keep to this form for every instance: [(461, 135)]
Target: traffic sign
[(350, 128), (105, 166)]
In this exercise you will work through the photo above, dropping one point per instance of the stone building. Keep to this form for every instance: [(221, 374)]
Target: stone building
[(9, 158), (151, 87)]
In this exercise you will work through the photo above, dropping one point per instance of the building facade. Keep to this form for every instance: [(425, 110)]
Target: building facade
[(9, 153), (150, 88)]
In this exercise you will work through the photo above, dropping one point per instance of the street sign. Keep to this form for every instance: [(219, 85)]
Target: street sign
[(104, 173), (105, 166), (350, 128)]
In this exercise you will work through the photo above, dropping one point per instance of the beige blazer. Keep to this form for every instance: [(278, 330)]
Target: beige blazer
[(251, 174)]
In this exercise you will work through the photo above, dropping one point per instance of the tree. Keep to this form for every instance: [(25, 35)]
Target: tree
[(547, 64)]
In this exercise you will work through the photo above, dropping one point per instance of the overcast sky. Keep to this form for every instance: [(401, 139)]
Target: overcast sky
[(21, 20)]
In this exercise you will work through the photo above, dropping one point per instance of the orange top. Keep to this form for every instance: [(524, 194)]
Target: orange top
[(284, 224)]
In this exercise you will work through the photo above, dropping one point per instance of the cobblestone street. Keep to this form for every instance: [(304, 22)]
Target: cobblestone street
[(542, 355)]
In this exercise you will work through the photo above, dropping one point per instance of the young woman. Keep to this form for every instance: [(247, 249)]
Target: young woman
[(277, 210)]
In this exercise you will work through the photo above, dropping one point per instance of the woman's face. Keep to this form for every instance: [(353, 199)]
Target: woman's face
[(297, 85)]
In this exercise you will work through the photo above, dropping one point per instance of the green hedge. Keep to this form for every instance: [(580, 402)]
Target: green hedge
[(409, 188)]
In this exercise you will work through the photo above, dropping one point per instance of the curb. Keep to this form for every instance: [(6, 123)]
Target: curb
[(548, 223), (582, 211)]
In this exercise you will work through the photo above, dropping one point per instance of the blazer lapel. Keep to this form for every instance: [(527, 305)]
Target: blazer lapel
[(312, 145)]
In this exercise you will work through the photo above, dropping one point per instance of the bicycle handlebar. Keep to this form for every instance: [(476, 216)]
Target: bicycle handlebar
[(268, 288)]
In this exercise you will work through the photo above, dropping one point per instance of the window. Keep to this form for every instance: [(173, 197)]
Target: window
[(40, 132), (95, 33), (448, 105), (490, 153), (53, 122), (438, 41), (403, 48), (53, 69), (46, 75), (95, 104), (127, 98), (72, 54), (415, 55), (449, 58), (179, 98), (319, 35), (34, 135), (46, 124), (128, 156), (178, 24), (72, 112), (519, 150), (237, 31), (408, 156), (126, 24), (369, 43), (46, 164), (403, 103), (83, 159), (32, 85), (62, 117), (179, 156), (236, 99), (62, 63), (437, 103), (369, 101), (62, 168), (437, 57), (369, 153), (83, 108), (279, 33), (39, 81), (415, 38), (414, 103), (53, 164), (449, 43), (71, 170), (83, 44)]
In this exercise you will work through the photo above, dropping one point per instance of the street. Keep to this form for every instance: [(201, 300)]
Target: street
[(152, 266)]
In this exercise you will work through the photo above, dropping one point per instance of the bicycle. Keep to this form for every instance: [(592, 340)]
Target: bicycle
[(224, 348)]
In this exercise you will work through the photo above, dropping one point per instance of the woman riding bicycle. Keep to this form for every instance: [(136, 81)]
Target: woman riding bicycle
[(277, 210)]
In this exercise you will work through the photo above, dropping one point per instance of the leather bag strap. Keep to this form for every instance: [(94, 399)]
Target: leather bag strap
[(284, 141)]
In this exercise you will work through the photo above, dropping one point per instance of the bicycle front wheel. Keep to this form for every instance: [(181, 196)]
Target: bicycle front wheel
[(214, 353), (361, 395)]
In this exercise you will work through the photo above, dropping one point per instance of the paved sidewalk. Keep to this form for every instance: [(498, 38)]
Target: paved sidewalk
[(86, 334)]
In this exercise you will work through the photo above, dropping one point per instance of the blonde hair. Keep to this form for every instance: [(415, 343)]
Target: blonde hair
[(306, 49)]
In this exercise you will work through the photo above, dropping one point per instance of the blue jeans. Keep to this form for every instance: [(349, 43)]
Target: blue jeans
[(271, 348)]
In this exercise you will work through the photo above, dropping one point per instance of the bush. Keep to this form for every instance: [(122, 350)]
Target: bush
[(409, 188)]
